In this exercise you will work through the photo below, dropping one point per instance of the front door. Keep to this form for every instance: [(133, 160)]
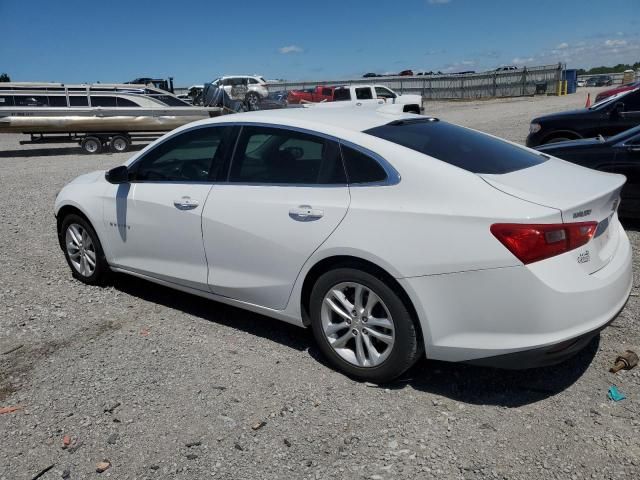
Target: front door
[(287, 192), (154, 222), (627, 162)]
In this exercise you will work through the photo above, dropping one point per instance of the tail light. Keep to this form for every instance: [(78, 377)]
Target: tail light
[(532, 243)]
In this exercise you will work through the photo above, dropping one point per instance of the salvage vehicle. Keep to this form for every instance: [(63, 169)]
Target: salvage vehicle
[(246, 88), (617, 154), (614, 115), (392, 236), (321, 93), (359, 95), (612, 91)]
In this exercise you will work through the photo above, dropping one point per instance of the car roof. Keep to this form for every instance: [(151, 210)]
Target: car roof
[(322, 119)]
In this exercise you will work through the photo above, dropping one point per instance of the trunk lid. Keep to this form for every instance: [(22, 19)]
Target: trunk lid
[(581, 194)]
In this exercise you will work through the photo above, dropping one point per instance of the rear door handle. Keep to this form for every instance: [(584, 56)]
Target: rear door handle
[(185, 203), (305, 213)]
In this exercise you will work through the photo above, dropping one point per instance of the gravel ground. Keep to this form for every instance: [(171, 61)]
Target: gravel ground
[(165, 385)]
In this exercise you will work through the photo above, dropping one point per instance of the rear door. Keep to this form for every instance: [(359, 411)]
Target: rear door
[(286, 193), (366, 95)]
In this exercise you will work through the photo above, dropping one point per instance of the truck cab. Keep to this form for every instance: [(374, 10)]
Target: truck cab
[(376, 94)]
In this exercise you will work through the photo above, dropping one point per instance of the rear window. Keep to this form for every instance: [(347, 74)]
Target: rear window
[(466, 149)]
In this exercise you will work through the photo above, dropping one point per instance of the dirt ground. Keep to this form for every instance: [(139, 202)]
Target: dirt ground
[(165, 385)]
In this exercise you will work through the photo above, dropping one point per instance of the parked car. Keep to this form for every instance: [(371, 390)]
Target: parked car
[(622, 88), (406, 73), (359, 95), (371, 75), (506, 68), (391, 236), (599, 81), (612, 116), (581, 82), (321, 93), (617, 154), (247, 88)]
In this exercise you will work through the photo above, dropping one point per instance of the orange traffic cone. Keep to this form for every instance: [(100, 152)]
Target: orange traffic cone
[(588, 104)]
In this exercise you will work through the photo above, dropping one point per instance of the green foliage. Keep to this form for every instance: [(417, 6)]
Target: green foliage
[(4, 77), (621, 67)]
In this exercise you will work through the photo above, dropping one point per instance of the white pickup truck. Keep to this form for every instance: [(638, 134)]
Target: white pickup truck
[(369, 95)]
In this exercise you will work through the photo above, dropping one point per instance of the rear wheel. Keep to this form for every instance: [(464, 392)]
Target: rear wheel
[(91, 144), (119, 143), (362, 326), (83, 251)]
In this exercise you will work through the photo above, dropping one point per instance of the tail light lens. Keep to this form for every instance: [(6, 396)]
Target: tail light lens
[(532, 243)]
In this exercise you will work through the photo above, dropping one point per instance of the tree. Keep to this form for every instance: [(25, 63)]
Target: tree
[(4, 77)]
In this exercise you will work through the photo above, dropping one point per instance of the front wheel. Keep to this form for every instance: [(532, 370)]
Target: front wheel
[(83, 251), (362, 326)]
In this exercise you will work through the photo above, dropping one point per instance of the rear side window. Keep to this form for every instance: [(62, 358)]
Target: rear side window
[(279, 156), (364, 93), (466, 149), (361, 168), (341, 94), (326, 92)]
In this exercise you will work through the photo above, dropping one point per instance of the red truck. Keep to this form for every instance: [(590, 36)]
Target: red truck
[(314, 95)]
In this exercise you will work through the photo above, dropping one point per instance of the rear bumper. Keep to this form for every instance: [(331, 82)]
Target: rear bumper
[(540, 313)]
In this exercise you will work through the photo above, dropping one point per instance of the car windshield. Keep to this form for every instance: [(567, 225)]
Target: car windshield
[(621, 137), (607, 100), (467, 149)]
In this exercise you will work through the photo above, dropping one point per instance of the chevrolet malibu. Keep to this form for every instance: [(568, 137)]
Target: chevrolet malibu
[(392, 236)]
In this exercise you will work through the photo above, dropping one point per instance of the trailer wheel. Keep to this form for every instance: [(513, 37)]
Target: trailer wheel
[(91, 145), (120, 143)]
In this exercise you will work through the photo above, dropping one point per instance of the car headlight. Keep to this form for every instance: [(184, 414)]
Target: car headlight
[(534, 127)]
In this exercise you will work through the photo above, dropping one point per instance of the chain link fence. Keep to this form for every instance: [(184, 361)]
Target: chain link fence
[(511, 83)]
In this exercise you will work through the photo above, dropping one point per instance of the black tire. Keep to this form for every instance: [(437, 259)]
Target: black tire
[(407, 346), (101, 271), (91, 145), (119, 143), (412, 109), (252, 99)]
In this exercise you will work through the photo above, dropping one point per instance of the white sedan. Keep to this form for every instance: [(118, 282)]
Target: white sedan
[(392, 236)]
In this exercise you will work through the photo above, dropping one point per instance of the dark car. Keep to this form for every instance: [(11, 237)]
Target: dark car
[(406, 73), (600, 81), (617, 154), (370, 75), (610, 117)]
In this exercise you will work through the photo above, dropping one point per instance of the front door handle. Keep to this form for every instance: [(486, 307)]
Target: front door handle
[(305, 213), (185, 203)]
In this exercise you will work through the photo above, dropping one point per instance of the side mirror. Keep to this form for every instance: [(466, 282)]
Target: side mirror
[(117, 175), (618, 108)]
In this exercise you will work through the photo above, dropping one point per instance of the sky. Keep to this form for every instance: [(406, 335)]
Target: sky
[(197, 41)]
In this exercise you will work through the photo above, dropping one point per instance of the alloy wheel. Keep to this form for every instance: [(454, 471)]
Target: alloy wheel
[(81, 250), (357, 324)]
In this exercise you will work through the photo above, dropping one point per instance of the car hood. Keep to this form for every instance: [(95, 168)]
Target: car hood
[(569, 145), (561, 116), (91, 177)]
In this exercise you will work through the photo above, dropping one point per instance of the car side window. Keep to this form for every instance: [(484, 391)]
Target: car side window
[(196, 155), (340, 94), (326, 92), (364, 93), (253, 81), (267, 155), (361, 168), (382, 92), (631, 102)]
